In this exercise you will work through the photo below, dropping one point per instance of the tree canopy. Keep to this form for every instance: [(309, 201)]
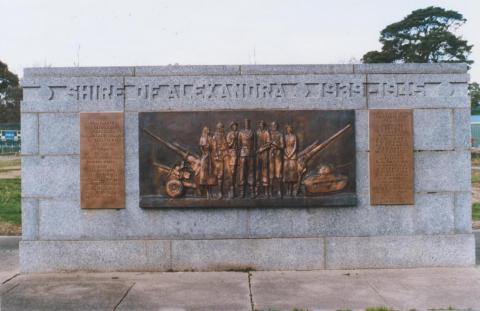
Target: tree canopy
[(424, 36), (10, 95)]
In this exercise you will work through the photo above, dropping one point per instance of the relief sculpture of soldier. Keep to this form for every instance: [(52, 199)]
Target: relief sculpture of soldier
[(290, 161), (219, 151), (276, 161), (231, 159), (206, 169), (246, 164), (263, 149)]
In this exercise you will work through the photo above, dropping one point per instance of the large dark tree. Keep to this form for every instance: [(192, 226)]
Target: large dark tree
[(10, 95), (424, 36)]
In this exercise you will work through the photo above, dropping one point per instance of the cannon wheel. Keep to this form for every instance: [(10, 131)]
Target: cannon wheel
[(174, 188)]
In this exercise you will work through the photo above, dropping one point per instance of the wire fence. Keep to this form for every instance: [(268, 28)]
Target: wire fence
[(475, 135), (10, 138)]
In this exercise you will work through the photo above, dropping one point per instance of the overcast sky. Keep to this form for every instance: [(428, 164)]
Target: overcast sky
[(144, 32)]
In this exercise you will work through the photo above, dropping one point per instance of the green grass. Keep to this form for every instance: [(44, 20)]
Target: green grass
[(378, 309), (476, 211), (475, 177), (10, 201)]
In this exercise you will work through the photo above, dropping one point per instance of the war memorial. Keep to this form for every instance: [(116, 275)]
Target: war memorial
[(255, 167)]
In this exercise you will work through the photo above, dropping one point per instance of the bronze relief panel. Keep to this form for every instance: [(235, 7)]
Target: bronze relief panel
[(247, 159)]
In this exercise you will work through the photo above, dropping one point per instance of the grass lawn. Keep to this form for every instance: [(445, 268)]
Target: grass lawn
[(476, 211), (10, 211)]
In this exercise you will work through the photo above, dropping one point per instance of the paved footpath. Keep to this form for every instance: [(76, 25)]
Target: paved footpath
[(401, 289)]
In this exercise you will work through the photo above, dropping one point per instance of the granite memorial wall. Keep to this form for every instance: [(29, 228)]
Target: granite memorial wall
[(207, 168)]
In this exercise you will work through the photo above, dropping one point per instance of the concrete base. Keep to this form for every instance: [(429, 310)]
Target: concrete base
[(250, 254)]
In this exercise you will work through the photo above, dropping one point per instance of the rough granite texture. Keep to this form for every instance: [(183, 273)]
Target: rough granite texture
[(59, 236), (400, 251), (29, 123)]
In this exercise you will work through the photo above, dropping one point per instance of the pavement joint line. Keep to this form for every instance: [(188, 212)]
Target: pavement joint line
[(124, 296), (10, 289), (250, 275), (378, 293), (11, 278)]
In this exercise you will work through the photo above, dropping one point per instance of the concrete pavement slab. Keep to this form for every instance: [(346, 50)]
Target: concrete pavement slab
[(9, 265), (326, 290), (52, 293), (189, 291), (400, 289), (438, 288), (477, 245), (127, 291)]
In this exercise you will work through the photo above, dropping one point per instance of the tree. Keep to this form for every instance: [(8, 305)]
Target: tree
[(474, 92), (424, 36), (10, 95)]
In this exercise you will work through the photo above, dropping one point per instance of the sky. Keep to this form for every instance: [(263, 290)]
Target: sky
[(146, 32)]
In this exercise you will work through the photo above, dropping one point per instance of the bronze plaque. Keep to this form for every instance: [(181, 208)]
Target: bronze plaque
[(391, 156), (102, 172), (247, 159)]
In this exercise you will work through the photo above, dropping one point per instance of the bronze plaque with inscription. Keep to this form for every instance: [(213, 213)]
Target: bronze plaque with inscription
[(102, 172), (391, 156), (299, 158)]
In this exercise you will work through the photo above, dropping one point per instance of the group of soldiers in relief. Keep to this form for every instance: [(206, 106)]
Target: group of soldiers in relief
[(261, 162)]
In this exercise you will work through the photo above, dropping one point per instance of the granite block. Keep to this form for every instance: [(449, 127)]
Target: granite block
[(51, 176), (30, 219), (83, 93), (462, 127), (78, 71), (362, 173), (431, 214), (59, 133), (361, 130), (63, 256), (29, 123), (433, 129), (296, 69), (61, 219), (463, 212), (442, 171), (132, 176), (188, 93), (48, 106), (248, 254), (184, 223), (400, 251), (131, 134), (411, 68), (417, 91), (175, 70), (434, 213)]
